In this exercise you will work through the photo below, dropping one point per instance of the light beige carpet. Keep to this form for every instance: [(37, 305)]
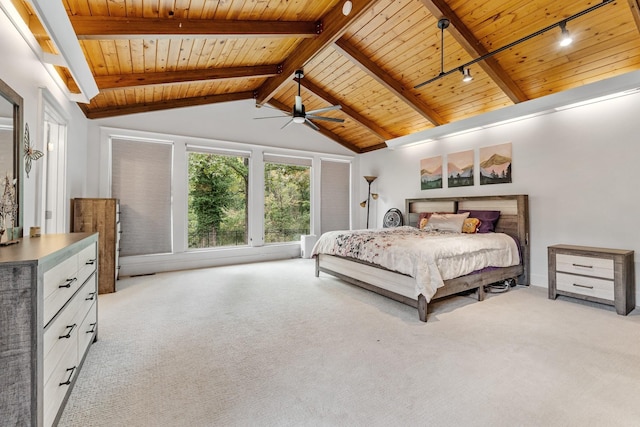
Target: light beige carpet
[(269, 344)]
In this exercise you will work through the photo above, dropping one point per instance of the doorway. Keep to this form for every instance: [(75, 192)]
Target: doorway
[(55, 144)]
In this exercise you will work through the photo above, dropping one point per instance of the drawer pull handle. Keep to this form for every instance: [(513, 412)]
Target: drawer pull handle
[(90, 297), (93, 328), (68, 381), (90, 262), (68, 283), (583, 286), (582, 265), (71, 328)]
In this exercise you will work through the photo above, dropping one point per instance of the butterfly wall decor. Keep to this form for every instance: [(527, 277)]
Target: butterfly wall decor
[(30, 153)]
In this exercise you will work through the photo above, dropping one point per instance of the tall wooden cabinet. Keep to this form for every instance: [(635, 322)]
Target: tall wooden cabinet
[(48, 320), (103, 216)]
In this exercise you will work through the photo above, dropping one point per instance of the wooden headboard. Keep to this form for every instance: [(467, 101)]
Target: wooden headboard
[(514, 216)]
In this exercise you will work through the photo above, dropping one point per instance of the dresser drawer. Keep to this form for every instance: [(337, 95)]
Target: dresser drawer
[(87, 261), (588, 286), (87, 296), (58, 383), (59, 284), (60, 333), (87, 330), (589, 266)]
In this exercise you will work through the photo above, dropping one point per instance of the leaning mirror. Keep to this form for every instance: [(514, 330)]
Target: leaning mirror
[(10, 163)]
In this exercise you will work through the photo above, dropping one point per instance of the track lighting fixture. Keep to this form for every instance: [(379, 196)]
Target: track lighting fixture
[(466, 74), (565, 38), (346, 8), (444, 23)]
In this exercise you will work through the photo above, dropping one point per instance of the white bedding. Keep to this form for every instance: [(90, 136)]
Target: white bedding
[(429, 257)]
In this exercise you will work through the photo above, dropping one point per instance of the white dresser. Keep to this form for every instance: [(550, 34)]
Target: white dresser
[(48, 301), (594, 274)]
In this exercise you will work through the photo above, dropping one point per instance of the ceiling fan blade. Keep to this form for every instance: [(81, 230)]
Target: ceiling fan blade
[(287, 124), (270, 117), (329, 119), (322, 110), (311, 124), (277, 109)]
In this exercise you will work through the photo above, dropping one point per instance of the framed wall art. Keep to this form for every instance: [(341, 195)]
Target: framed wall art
[(460, 169), (495, 164), (431, 173)]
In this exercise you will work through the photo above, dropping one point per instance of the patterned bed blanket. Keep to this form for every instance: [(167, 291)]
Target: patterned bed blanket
[(429, 257)]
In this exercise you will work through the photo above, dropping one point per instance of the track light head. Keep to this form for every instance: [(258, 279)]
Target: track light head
[(565, 38), (466, 74)]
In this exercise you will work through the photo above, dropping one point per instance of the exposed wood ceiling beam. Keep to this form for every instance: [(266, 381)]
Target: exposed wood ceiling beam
[(324, 131), (334, 26), (101, 27), (378, 74), (373, 148), (635, 11), (354, 115), (460, 32), (182, 76), (99, 113)]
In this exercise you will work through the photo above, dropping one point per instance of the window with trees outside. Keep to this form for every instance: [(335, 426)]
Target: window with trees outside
[(287, 198), (218, 196)]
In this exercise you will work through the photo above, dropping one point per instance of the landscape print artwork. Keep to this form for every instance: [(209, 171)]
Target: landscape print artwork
[(495, 164), (431, 173), (460, 169)]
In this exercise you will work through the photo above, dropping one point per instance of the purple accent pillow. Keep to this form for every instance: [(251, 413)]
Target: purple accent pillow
[(488, 219)]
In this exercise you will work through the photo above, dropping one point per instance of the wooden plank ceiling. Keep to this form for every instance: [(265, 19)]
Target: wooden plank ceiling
[(159, 54)]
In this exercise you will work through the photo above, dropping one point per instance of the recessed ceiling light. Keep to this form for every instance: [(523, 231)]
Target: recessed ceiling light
[(346, 8)]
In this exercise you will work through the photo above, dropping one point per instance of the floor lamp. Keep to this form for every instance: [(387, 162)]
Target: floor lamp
[(370, 196)]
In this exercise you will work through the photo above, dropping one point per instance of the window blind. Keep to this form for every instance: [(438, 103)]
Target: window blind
[(220, 151), (287, 160), (334, 195), (141, 179)]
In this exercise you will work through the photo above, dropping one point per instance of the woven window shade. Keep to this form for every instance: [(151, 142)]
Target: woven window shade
[(141, 179), (334, 195), (287, 160)]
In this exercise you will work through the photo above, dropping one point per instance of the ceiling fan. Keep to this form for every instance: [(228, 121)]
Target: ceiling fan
[(300, 116)]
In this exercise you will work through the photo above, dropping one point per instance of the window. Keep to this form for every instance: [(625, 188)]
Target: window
[(287, 201), (141, 179), (218, 196)]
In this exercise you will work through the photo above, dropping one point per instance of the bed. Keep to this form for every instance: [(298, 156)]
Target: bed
[(404, 286)]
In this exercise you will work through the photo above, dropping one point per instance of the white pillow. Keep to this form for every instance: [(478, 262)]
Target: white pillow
[(446, 222)]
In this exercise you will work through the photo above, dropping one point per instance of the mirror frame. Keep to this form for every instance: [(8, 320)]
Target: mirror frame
[(12, 96)]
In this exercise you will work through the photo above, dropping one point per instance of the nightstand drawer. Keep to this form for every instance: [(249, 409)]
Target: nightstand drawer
[(589, 286), (588, 266)]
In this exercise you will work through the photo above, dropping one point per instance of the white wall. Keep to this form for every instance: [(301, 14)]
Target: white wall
[(578, 166), (21, 69)]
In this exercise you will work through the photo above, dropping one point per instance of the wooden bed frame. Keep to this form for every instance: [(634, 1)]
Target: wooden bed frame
[(514, 220)]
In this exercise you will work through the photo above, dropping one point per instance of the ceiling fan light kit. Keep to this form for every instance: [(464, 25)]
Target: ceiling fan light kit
[(566, 40)]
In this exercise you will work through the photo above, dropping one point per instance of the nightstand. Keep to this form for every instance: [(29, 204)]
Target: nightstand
[(593, 274)]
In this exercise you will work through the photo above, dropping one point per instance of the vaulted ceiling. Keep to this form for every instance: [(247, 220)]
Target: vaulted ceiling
[(161, 54)]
